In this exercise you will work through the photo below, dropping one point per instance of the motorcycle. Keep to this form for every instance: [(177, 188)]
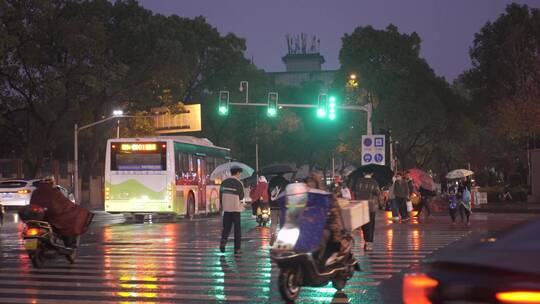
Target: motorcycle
[(298, 251), (40, 239), (263, 215)]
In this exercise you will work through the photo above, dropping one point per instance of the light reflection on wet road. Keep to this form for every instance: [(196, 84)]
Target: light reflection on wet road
[(181, 262)]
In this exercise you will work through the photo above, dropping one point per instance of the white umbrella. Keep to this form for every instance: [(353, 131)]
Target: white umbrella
[(459, 173), (223, 171)]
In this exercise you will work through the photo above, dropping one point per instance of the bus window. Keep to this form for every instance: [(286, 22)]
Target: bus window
[(184, 165), (138, 156), (194, 166), (210, 165)]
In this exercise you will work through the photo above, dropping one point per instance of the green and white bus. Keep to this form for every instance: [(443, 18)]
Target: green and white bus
[(165, 174)]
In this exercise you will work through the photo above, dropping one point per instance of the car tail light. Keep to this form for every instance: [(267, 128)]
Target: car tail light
[(417, 287), (23, 191), (33, 232), (518, 296), (36, 208)]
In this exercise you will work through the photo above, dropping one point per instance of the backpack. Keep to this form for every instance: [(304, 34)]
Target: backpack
[(466, 195), (452, 202)]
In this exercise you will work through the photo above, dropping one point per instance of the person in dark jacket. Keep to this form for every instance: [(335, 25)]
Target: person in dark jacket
[(425, 196), (368, 189), (277, 185), (1, 215), (334, 223), (68, 219), (401, 192), (231, 192)]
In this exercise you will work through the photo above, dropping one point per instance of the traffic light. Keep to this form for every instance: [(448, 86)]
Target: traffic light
[(322, 106), (272, 104), (332, 108), (223, 102)]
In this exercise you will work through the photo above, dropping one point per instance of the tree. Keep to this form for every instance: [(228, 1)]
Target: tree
[(74, 61), (503, 84), (408, 97)]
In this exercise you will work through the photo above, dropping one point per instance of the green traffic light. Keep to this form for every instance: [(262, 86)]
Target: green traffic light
[(332, 116), (223, 110), (272, 112), (332, 101), (321, 113)]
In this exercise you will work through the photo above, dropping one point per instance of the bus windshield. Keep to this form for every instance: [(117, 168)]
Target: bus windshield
[(138, 156)]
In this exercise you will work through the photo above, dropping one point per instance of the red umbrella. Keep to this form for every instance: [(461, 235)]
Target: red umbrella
[(421, 179)]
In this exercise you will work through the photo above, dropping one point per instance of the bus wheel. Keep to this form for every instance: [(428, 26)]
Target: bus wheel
[(190, 213)]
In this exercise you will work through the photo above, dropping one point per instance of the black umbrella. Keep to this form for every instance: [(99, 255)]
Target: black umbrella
[(250, 181), (382, 174), (277, 169)]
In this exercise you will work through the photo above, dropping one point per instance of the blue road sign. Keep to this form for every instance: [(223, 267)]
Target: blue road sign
[(367, 158), (367, 142)]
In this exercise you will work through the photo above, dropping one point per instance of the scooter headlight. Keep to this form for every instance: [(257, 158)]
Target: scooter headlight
[(287, 238)]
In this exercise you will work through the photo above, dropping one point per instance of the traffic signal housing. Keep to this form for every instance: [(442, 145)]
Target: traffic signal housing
[(332, 108), (272, 104), (223, 102), (322, 105)]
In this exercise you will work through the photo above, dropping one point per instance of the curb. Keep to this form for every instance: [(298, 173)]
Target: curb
[(509, 210)]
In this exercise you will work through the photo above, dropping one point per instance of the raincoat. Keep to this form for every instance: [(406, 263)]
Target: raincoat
[(66, 217)]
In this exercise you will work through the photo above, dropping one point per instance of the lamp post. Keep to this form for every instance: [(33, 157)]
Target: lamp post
[(76, 129)]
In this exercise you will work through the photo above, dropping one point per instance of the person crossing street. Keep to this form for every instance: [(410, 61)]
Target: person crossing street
[(231, 193)]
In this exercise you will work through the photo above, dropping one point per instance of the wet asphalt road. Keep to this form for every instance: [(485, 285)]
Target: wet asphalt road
[(180, 262)]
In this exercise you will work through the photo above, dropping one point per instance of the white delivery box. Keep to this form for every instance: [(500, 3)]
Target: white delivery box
[(355, 214)]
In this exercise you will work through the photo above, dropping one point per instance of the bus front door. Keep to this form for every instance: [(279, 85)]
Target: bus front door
[(201, 168)]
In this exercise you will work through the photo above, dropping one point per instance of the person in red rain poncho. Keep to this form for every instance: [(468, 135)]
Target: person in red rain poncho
[(68, 219), (259, 194)]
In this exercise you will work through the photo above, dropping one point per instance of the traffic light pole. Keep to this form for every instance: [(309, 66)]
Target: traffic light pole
[(367, 108)]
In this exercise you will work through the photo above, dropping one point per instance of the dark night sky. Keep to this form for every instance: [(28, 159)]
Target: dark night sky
[(446, 27)]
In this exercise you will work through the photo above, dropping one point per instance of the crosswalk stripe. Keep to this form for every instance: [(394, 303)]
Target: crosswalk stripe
[(150, 267)]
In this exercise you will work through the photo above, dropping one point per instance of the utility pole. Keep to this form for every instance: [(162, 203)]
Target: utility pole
[(244, 85)]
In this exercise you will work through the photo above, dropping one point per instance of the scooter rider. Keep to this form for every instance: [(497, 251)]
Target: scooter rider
[(67, 219), (334, 224)]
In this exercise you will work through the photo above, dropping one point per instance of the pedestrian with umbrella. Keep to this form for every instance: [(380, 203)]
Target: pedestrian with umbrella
[(231, 193), (276, 185), (425, 185)]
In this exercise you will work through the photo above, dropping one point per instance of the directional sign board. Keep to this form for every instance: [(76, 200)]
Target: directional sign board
[(373, 148)]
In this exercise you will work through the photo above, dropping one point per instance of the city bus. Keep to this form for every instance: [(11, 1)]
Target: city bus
[(162, 175)]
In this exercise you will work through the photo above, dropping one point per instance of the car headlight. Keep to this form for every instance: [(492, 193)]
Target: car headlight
[(287, 238)]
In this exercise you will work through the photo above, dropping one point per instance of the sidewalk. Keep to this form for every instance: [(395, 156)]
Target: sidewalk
[(508, 207)]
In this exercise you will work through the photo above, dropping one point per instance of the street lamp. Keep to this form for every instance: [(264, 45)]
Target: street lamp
[(245, 84), (76, 129), (118, 113)]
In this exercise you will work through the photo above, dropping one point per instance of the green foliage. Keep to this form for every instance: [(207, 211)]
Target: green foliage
[(407, 96), (67, 61), (502, 87)]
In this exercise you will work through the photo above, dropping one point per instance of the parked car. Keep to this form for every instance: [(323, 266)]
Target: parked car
[(497, 268), (66, 193), (16, 192)]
